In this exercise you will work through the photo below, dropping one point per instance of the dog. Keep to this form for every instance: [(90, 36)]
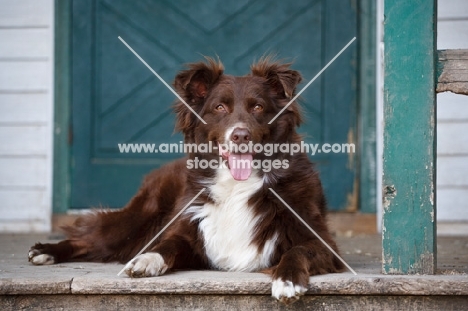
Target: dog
[(236, 223)]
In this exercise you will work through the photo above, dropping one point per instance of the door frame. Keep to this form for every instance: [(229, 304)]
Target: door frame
[(366, 141), (61, 185), (367, 106)]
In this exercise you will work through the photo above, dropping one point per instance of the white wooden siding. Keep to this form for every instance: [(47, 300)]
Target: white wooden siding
[(26, 114), (452, 10), (14, 105), (24, 76), (13, 138), (452, 121), (455, 201), (454, 140), (452, 173), (26, 14), (21, 40)]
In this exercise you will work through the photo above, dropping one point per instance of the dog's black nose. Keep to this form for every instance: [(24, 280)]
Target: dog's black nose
[(240, 135)]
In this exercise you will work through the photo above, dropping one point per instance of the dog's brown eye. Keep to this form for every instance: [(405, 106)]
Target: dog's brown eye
[(258, 108), (220, 108)]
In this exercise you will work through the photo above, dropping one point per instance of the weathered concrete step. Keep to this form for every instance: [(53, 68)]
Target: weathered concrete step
[(98, 279), (94, 286), (97, 287), (233, 302)]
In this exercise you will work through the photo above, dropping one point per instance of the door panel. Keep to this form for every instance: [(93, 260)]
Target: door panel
[(116, 99)]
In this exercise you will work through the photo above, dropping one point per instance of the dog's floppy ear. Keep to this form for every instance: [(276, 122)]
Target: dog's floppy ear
[(281, 78), (193, 85), (282, 81)]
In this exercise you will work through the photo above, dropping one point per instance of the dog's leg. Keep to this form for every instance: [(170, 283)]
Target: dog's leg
[(164, 256), (173, 252), (47, 254), (291, 275), (101, 236)]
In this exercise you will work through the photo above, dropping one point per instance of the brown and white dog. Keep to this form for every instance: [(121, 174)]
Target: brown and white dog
[(236, 224)]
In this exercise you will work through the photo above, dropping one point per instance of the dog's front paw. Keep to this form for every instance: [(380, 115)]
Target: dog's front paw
[(38, 255), (286, 291), (146, 265)]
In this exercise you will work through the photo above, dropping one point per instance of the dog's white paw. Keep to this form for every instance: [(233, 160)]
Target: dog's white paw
[(286, 291), (146, 265), (36, 258)]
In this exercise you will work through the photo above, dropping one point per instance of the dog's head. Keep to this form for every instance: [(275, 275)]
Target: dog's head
[(237, 110)]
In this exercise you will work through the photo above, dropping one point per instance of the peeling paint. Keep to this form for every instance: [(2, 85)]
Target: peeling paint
[(386, 203), (389, 193), (387, 260), (393, 271), (425, 264), (422, 265)]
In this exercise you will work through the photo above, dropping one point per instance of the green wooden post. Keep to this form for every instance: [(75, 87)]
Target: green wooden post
[(409, 181)]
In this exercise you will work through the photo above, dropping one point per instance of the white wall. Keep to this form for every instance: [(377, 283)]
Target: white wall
[(26, 114), (452, 121)]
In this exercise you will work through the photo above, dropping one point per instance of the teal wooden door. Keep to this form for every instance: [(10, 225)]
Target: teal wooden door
[(115, 99)]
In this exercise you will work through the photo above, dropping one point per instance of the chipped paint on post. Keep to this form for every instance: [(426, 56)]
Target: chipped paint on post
[(409, 228)]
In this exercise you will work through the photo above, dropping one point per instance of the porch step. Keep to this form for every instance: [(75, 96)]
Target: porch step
[(96, 287), (93, 286)]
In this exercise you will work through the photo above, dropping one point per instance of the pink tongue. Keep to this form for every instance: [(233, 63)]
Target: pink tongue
[(240, 165)]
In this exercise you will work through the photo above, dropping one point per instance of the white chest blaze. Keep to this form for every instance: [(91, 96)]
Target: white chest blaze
[(228, 225)]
